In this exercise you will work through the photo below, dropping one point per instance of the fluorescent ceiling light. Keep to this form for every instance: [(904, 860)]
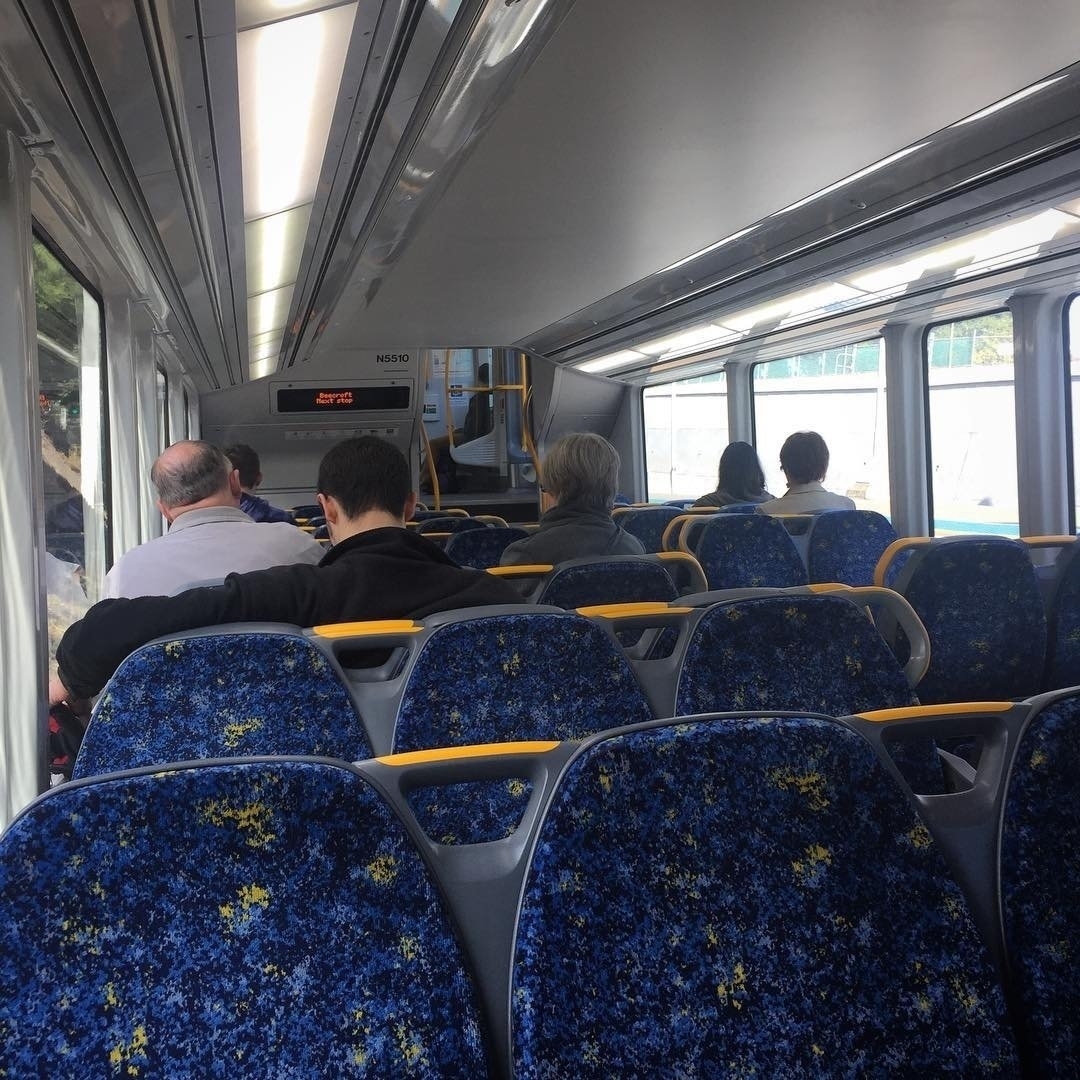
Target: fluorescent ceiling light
[(268, 310), (289, 75), (1012, 242), (883, 163), (1004, 103), (267, 348), (728, 335), (685, 339), (705, 250), (251, 13), (260, 368), (274, 246), (625, 358)]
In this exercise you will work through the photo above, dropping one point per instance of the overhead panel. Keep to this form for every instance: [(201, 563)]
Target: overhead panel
[(289, 64)]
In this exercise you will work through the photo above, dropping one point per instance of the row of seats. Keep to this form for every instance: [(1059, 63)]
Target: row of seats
[(484, 675), (711, 896), (995, 632)]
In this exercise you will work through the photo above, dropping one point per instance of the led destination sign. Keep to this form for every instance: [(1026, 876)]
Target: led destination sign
[(295, 399)]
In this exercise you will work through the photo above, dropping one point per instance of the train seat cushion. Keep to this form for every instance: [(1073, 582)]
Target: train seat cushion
[(1040, 887), (814, 653), (515, 677), (980, 603), (1063, 649), (216, 695), (615, 581), (746, 897), (747, 551), (648, 523), (845, 546), (481, 548), (244, 919)]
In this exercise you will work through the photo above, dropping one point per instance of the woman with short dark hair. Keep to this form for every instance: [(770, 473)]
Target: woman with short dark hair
[(804, 458), (740, 479)]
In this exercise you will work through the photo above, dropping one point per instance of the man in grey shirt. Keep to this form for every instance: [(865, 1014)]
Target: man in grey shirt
[(209, 537)]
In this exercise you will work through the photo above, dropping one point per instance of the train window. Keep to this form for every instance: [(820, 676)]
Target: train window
[(162, 408), (71, 380), (840, 393), (686, 430), (1072, 332), (972, 420)]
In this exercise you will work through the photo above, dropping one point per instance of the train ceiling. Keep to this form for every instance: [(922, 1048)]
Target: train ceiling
[(310, 174)]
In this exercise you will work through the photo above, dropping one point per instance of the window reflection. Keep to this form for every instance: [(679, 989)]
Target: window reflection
[(72, 440)]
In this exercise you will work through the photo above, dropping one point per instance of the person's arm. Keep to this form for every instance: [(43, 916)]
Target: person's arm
[(95, 646)]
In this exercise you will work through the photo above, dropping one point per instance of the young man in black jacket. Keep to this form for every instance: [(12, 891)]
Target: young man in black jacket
[(377, 569)]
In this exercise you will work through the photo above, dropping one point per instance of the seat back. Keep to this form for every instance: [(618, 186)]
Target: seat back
[(475, 678), (264, 918), (481, 548), (845, 546), (814, 653), (1040, 886), (616, 579), (747, 550), (1063, 622), (979, 600), (449, 525), (699, 904), (647, 523), (227, 692)]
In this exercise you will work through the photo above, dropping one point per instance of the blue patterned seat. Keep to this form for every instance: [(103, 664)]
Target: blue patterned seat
[(746, 897), (515, 677), (845, 546), (979, 600), (647, 523), (241, 919), (616, 580), (1040, 888), (481, 548), (799, 653), (747, 550), (449, 525), (221, 693), (1063, 646)]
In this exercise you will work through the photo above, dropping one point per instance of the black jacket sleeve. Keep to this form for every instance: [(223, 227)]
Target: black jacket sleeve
[(94, 647)]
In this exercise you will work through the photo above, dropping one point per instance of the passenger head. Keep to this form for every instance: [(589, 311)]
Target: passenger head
[(584, 470), (193, 474), (804, 457), (483, 374), (246, 462), (741, 474), (365, 478)]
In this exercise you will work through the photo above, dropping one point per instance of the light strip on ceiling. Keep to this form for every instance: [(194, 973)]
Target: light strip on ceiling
[(289, 77), (685, 339), (623, 358)]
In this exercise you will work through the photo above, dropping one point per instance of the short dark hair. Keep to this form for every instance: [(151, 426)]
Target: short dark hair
[(740, 473), (246, 462), (804, 457), (184, 478), (366, 474)]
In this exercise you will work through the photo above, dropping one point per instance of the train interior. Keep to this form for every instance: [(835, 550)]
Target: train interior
[(287, 222)]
